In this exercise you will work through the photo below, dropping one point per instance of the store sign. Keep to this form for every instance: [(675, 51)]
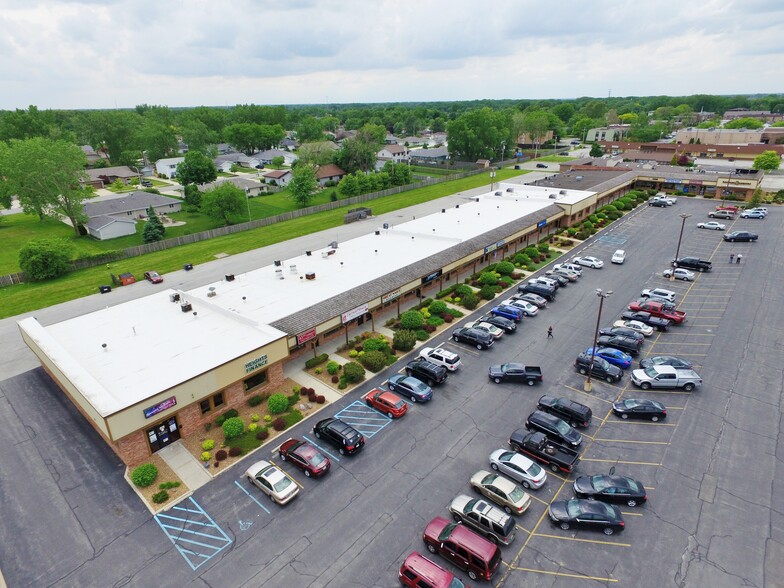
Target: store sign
[(695, 182), (352, 314), (673, 181), (390, 296), (255, 364), (494, 246), (306, 336), (431, 277), (541, 223), (160, 407)]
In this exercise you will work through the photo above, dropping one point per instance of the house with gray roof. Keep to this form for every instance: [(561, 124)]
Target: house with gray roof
[(132, 205), (107, 227), (250, 187), (104, 176), (267, 156), (430, 155)]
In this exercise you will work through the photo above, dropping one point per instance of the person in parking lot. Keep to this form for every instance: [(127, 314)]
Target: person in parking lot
[(732, 257), (550, 332), (737, 259)]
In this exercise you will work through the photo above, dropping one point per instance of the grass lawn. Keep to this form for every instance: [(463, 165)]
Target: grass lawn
[(27, 297), (554, 158)]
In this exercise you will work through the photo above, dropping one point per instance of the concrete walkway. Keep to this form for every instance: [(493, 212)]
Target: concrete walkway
[(187, 467)]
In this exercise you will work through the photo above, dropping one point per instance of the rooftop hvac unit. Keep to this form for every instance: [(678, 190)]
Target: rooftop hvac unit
[(552, 196), (562, 192), (186, 306), (310, 276), (333, 245), (229, 277), (279, 274), (174, 297), (293, 268), (324, 254)]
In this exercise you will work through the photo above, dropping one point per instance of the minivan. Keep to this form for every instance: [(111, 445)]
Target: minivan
[(462, 547), (546, 292), (419, 572)]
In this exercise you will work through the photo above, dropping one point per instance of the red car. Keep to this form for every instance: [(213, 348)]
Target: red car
[(660, 310), (387, 402), (305, 456), (153, 277)]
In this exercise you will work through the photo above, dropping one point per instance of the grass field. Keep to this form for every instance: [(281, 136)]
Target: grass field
[(31, 296)]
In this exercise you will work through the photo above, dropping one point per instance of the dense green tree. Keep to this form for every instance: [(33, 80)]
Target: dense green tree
[(250, 137), (24, 124), (359, 153), (114, 130), (192, 195), (744, 123), (767, 161), (348, 186), (223, 202), (596, 150), (44, 259), (479, 134), (197, 168), (535, 124), (157, 138), (153, 228), (310, 128), (564, 111), (197, 135), (303, 184), (316, 153)]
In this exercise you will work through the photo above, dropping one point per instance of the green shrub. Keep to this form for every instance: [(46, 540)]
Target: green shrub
[(318, 370), (353, 353), (208, 445), (293, 399), (252, 427), (144, 475), (437, 307), (531, 251), (160, 497), (488, 278), (435, 321), (445, 293), (267, 418), (292, 418), (44, 259), (206, 456), (404, 340), (278, 403), (353, 372), (463, 289), (587, 225), (255, 400), (314, 361), (233, 427), (470, 301), (333, 368), (412, 320), (168, 485), (504, 268), (487, 292), (422, 335), (375, 361), (375, 344)]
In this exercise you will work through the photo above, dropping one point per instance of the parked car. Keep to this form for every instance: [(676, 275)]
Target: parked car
[(546, 280), (658, 323), (518, 467), (622, 342), (639, 408), (761, 209), (532, 298), (515, 372), (304, 456), (725, 214), (339, 434), (574, 267), (758, 214), (680, 274), (505, 493), (415, 389), (614, 489), (638, 326), (666, 360), (463, 548), (574, 413), (475, 337), (555, 428), (508, 312), (546, 292), (612, 331), (612, 356), (586, 514), (417, 571), (619, 256), (487, 328), (712, 226), (589, 261), (660, 309), (741, 236), (386, 402), (484, 518), (527, 308), (508, 325), (666, 376), (272, 481), (146, 183), (153, 277), (559, 458), (563, 273), (427, 371), (439, 356), (560, 279), (668, 295), (601, 367), (660, 202), (695, 263)]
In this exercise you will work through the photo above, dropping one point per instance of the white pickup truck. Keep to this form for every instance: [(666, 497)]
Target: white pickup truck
[(666, 376)]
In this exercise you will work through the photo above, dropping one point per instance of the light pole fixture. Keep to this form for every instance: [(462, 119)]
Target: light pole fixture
[(247, 201), (602, 295), (678, 248)]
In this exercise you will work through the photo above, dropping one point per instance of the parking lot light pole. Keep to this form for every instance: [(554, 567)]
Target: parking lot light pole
[(602, 295), (678, 248)]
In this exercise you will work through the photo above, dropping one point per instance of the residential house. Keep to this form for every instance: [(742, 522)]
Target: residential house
[(395, 153), (107, 227), (167, 168), (104, 176), (413, 141), (250, 187), (329, 173), (223, 148), (93, 156), (267, 156), (280, 176), (182, 147), (430, 156), (289, 144), (127, 209), (252, 161)]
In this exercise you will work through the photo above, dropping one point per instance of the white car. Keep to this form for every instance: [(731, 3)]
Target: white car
[(438, 356), (619, 256), (546, 281), (642, 328), (713, 225), (680, 274), (761, 209), (487, 328), (589, 262), (527, 308), (272, 481), (668, 295), (569, 266)]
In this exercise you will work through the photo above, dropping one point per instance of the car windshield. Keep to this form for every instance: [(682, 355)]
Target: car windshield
[(535, 470), (282, 484), (455, 583), (311, 455), (600, 483), (444, 535), (630, 403), (517, 494), (417, 385), (573, 509), (562, 427), (451, 360), (650, 372), (399, 404)]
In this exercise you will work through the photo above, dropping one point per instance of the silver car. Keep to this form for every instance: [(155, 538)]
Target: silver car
[(518, 467)]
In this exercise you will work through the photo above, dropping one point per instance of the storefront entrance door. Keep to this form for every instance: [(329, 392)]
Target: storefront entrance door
[(163, 434)]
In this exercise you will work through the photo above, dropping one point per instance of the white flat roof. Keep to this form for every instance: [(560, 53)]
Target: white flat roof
[(151, 345)]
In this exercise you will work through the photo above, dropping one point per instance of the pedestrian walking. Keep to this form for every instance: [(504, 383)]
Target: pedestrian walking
[(732, 257), (737, 259), (550, 332)]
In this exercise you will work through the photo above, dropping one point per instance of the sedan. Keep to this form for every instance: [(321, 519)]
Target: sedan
[(646, 330), (496, 332), (591, 262), (527, 308), (532, 298), (415, 389), (272, 481), (153, 277), (305, 456), (712, 225), (509, 326), (612, 331), (587, 514), (518, 467), (622, 342), (386, 402), (619, 256), (752, 214), (564, 273), (502, 491), (614, 489), (541, 165), (639, 408), (680, 274), (612, 355), (675, 362), (741, 236)]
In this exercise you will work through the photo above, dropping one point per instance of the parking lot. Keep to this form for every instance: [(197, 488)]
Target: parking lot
[(709, 468)]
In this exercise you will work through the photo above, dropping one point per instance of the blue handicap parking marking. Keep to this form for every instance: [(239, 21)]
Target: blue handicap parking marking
[(364, 419), (253, 498), (612, 239), (193, 532)]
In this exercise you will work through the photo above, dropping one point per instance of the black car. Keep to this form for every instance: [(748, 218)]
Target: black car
[(601, 368), (427, 371), (556, 429), (480, 339), (741, 236), (675, 362), (639, 408), (508, 326), (586, 514), (515, 372), (622, 342), (658, 323), (342, 435), (694, 263), (574, 413), (660, 203), (147, 183), (562, 280), (626, 332), (546, 292), (541, 165), (615, 489)]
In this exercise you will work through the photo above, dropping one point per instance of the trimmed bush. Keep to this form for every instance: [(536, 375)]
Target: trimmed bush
[(144, 475), (437, 307), (160, 497), (278, 403), (376, 344), (422, 335), (504, 268), (168, 485), (318, 371), (531, 251), (320, 399), (314, 361), (206, 456), (296, 416), (208, 445), (333, 368), (220, 455), (293, 399), (488, 278), (312, 397), (279, 424), (448, 318), (254, 418), (231, 413), (470, 301), (268, 418), (543, 247), (487, 292), (235, 451), (255, 400), (412, 320), (252, 427), (233, 427), (375, 361), (262, 434), (463, 290), (435, 321), (404, 340), (353, 372), (335, 379)]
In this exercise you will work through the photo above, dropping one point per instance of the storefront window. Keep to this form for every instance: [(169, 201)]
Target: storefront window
[(255, 380), (217, 400), (205, 406)]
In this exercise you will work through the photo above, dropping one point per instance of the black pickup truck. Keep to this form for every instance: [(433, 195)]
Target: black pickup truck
[(557, 457), (660, 324), (694, 263), (515, 372)]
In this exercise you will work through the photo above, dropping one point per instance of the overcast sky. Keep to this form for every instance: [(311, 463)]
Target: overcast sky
[(120, 53)]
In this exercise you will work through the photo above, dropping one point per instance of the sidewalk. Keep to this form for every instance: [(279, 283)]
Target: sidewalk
[(187, 467)]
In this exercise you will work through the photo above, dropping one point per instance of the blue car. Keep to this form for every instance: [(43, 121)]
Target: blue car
[(612, 355), (507, 311), (407, 386)]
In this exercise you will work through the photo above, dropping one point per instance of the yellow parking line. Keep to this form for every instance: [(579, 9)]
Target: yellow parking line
[(563, 574), (645, 424), (631, 514), (523, 529), (583, 540), (678, 343), (632, 441), (538, 499), (648, 463)]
